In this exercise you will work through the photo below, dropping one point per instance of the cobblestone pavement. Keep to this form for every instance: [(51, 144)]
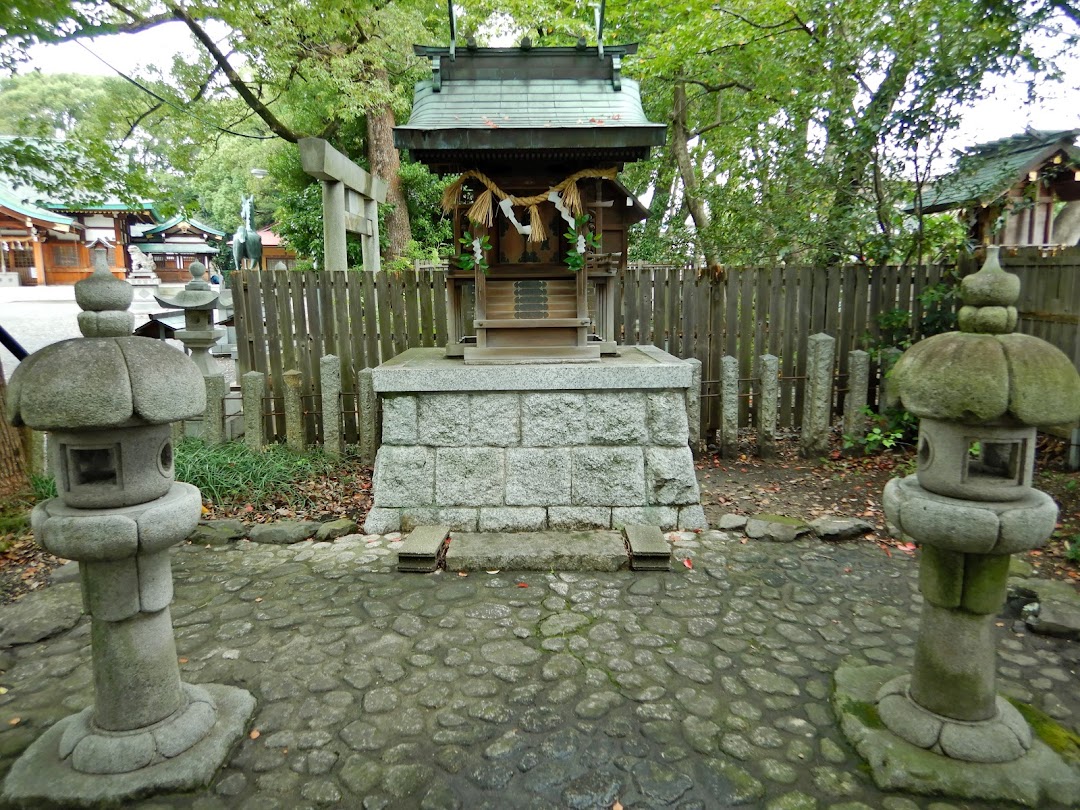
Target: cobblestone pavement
[(706, 687)]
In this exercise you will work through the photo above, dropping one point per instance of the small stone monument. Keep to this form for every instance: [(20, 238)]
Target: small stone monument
[(107, 400), (979, 394), (198, 301)]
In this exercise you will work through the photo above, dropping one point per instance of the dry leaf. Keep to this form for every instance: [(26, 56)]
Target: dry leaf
[(14, 721), (254, 734), (495, 571), (183, 660), (462, 573), (688, 563), (258, 598)]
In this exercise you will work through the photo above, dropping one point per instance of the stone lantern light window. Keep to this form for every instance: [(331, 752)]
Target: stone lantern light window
[(93, 466), (995, 461)]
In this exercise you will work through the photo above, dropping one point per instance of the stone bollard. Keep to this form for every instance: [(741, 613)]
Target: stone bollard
[(693, 405), (768, 407), (330, 375), (817, 396), (295, 435), (978, 393), (107, 401), (888, 397), (729, 406), (855, 401), (367, 405), (253, 390), (214, 416)]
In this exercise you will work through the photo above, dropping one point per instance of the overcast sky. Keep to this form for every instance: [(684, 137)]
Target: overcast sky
[(1005, 112)]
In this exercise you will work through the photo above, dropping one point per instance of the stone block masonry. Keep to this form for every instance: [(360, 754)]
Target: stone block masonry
[(532, 448)]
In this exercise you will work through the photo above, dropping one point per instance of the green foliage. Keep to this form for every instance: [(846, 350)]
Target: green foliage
[(885, 431), (575, 259), (467, 260), (231, 474), (42, 487), (432, 231), (1072, 548)]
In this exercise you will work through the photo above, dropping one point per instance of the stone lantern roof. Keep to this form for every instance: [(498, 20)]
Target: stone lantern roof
[(985, 372), (108, 378)]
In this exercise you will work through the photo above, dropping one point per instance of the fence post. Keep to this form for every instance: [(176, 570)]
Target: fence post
[(253, 388), (330, 373), (294, 411), (214, 416), (855, 401), (367, 417), (817, 400), (729, 406), (768, 406), (693, 405)]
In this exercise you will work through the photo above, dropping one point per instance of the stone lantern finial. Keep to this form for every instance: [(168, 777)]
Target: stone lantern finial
[(989, 298), (104, 300)]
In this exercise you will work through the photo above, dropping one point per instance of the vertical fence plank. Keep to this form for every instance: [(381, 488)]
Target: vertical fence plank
[(427, 318), (371, 321), (382, 305), (439, 283), (786, 350), (412, 312)]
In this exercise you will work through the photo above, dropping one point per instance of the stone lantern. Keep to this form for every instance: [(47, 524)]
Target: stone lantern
[(979, 393), (198, 301), (107, 401)]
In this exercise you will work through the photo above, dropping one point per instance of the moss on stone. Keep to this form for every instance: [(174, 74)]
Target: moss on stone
[(865, 713), (1062, 741), (781, 519)]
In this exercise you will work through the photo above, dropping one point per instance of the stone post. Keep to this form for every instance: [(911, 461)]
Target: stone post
[(693, 405), (214, 417), (817, 396), (367, 403), (334, 226), (330, 375), (253, 389), (768, 405), (855, 401), (729, 406), (295, 435)]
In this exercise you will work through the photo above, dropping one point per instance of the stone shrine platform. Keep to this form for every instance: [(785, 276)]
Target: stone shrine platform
[(520, 448)]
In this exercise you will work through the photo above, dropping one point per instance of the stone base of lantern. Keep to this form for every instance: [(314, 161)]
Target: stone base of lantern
[(181, 753), (1037, 777), (525, 448)]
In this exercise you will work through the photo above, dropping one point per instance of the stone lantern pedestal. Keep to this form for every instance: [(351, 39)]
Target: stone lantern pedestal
[(107, 401), (979, 394)]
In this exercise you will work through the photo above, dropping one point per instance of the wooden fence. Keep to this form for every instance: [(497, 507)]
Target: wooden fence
[(288, 320)]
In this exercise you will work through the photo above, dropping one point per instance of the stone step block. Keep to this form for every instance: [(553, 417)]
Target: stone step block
[(649, 551), (422, 548), (537, 551)]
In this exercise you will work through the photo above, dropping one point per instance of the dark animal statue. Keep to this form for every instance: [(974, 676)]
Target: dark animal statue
[(246, 241)]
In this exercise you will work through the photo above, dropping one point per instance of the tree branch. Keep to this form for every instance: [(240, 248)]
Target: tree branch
[(238, 84)]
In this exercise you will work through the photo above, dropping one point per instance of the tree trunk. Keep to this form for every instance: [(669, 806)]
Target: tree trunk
[(385, 162), (13, 477), (699, 212)]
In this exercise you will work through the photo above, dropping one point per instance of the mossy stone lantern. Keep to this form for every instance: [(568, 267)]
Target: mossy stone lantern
[(107, 401), (980, 393)]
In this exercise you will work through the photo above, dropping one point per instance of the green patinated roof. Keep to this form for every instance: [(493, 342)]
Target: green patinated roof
[(176, 220), (176, 247), (12, 201), (545, 99), (987, 171)]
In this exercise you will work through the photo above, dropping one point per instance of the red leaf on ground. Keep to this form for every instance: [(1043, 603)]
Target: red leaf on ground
[(688, 563)]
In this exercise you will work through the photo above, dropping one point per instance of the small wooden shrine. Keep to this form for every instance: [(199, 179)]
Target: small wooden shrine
[(537, 137)]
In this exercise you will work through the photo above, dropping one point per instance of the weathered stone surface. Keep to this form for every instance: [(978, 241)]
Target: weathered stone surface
[(579, 517), (404, 476), (380, 520), (669, 476), (512, 518), (399, 419), (495, 420), (666, 517), (217, 532), (817, 401), (1056, 617), (538, 551), (40, 615), (666, 418), (283, 533), (692, 518), (443, 420), (333, 529), (840, 528), (469, 476), (616, 417), (459, 519), (553, 420), (608, 476), (537, 477), (776, 528), (731, 522)]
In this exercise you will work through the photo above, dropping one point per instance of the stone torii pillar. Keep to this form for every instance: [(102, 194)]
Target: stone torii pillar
[(350, 202)]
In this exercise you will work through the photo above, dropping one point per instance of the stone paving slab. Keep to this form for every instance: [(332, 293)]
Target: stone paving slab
[(704, 687), (537, 551)]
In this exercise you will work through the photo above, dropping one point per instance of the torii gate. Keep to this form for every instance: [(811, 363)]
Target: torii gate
[(350, 202)]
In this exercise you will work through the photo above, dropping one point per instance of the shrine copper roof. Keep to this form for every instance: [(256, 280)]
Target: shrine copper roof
[(513, 103)]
